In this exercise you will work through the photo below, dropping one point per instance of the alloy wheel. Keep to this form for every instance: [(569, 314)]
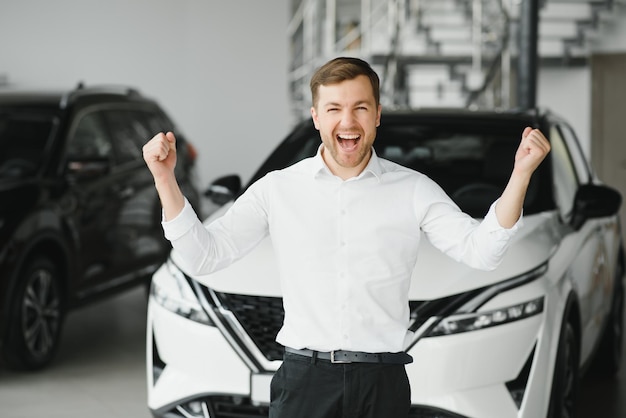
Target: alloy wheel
[(40, 316)]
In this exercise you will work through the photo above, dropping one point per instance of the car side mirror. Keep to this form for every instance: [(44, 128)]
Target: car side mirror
[(594, 201), (224, 189)]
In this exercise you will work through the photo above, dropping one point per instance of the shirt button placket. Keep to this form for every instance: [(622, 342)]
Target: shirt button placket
[(343, 288)]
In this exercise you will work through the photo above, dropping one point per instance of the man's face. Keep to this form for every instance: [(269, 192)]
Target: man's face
[(347, 117)]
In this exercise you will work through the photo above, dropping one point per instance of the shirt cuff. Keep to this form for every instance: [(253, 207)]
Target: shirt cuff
[(492, 224), (181, 223)]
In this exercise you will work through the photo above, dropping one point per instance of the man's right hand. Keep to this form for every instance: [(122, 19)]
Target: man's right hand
[(160, 155)]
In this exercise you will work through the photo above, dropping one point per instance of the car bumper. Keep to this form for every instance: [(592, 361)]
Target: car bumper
[(194, 371)]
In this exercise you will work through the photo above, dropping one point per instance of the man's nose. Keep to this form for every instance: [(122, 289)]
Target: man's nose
[(347, 118)]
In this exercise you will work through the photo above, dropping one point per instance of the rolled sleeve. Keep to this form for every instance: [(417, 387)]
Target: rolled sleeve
[(494, 239), (181, 224), (492, 225)]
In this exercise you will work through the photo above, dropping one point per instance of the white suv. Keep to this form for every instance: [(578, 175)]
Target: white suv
[(499, 344)]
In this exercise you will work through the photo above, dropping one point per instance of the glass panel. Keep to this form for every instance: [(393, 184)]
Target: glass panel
[(24, 138), (565, 177), (128, 134), (576, 153), (90, 139), (472, 162)]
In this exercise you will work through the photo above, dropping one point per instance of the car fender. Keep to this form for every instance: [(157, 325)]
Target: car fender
[(39, 233)]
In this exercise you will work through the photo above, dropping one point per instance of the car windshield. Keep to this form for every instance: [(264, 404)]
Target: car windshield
[(24, 137), (470, 160)]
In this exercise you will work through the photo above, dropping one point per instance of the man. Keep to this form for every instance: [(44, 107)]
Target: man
[(345, 226)]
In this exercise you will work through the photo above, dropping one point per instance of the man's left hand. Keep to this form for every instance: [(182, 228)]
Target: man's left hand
[(531, 152)]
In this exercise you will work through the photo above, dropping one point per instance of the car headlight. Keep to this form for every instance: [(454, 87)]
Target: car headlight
[(175, 294), (456, 324), (461, 312)]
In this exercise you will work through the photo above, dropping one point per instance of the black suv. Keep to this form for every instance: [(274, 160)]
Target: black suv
[(79, 214)]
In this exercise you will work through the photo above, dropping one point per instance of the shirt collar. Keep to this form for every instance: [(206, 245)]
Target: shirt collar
[(373, 167)]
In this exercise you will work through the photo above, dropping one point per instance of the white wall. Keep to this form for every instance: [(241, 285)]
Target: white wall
[(567, 92), (218, 67)]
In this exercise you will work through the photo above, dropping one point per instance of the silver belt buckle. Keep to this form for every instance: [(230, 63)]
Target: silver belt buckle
[(332, 359)]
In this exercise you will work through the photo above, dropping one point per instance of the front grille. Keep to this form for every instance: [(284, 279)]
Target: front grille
[(421, 411), (242, 407), (223, 407), (216, 407), (261, 317)]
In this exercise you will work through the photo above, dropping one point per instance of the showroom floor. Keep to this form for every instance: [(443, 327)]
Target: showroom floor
[(99, 371)]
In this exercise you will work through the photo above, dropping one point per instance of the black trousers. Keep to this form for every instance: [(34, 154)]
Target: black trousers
[(313, 388)]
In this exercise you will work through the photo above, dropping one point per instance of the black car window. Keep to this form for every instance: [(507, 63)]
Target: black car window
[(128, 134), (155, 122), (90, 139), (303, 142), (472, 162), (583, 170), (24, 138), (565, 176)]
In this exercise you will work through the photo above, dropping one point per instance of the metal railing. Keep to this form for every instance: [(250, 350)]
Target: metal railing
[(381, 30)]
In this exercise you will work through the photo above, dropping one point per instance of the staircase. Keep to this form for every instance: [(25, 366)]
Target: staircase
[(438, 53)]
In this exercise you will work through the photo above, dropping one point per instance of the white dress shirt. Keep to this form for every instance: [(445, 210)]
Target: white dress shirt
[(345, 249)]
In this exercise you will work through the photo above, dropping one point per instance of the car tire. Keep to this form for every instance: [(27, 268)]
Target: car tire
[(609, 355), (36, 316), (566, 377)]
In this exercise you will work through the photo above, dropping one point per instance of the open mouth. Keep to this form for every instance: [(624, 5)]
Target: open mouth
[(348, 142)]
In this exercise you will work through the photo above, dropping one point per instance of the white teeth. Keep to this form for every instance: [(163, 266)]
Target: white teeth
[(348, 136)]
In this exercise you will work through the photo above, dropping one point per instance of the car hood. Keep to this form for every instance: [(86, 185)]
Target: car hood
[(436, 275)]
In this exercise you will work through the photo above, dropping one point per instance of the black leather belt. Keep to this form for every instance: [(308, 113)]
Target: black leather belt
[(343, 356)]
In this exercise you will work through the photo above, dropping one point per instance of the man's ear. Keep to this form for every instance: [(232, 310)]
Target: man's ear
[(378, 113), (316, 123)]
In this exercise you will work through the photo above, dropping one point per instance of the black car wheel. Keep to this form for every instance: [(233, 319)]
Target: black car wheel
[(36, 316), (610, 353), (565, 381)]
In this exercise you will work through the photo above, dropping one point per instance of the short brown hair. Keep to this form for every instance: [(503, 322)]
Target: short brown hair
[(341, 69)]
